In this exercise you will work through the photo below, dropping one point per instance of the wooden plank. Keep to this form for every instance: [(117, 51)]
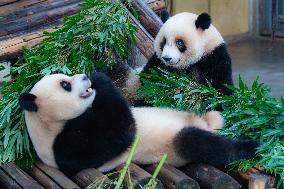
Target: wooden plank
[(37, 20), (143, 38), (173, 178), (37, 8), (23, 179), (7, 182), (149, 20), (139, 177), (210, 177), (89, 176), (12, 48), (4, 10), (5, 2), (43, 179), (56, 175)]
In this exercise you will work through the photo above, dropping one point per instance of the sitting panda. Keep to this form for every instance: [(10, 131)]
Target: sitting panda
[(79, 122), (190, 43)]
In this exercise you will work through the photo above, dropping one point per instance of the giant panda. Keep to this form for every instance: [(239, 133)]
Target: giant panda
[(189, 43), (77, 122)]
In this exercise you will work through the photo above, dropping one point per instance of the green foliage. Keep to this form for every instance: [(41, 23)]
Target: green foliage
[(88, 40), (249, 113)]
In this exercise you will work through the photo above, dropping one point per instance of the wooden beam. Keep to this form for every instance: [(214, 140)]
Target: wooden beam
[(209, 177), (43, 179), (89, 176), (57, 176), (12, 48), (149, 20), (23, 179), (36, 8), (12, 7), (37, 20), (5, 2), (139, 177), (7, 182), (144, 40), (173, 178)]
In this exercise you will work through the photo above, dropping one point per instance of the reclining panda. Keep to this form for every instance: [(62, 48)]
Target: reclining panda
[(79, 122)]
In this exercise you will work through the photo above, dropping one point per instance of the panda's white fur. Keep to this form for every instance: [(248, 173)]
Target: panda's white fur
[(199, 42), (82, 127), (157, 128)]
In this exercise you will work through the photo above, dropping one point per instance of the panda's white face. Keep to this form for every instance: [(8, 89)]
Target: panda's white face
[(180, 43), (61, 98)]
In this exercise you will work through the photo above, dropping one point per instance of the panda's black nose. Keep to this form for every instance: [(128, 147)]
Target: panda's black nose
[(166, 59)]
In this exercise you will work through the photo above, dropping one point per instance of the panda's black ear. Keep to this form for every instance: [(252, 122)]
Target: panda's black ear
[(27, 102), (203, 21), (164, 15)]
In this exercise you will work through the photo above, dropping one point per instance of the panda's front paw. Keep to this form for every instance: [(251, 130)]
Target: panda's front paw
[(214, 120)]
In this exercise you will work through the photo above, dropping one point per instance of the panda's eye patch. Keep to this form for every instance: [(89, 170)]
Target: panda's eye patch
[(180, 45), (163, 43), (66, 85)]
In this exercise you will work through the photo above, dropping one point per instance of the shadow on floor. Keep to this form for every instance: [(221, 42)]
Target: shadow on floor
[(259, 57)]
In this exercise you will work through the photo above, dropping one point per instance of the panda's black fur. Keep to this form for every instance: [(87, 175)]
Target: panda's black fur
[(215, 68), (107, 129)]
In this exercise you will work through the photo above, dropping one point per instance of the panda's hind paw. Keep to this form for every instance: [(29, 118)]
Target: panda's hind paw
[(214, 120)]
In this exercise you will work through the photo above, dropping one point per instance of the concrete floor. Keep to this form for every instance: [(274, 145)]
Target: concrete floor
[(259, 57)]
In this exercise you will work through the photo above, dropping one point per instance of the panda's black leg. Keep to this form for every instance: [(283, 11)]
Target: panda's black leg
[(200, 146)]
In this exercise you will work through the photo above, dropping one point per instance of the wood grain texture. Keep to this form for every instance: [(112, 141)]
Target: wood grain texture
[(139, 177), (89, 176), (144, 41), (149, 20), (33, 21), (5, 2), (37, 8), (57, 176), (22, 178), (173, 178), (43, 179), (11, 48), (210, 177), (7, 182), (18, 5)]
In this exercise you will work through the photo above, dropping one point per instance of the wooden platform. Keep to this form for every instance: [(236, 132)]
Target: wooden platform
[(21, 24), (192, 176)]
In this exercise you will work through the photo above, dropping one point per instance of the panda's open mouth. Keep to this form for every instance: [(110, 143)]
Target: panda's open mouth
[(87, 93)]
